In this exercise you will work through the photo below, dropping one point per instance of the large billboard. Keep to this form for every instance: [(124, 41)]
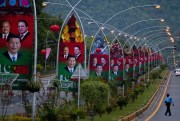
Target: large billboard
[(99, 58), (116, 61), (17, 41), (71, 50)]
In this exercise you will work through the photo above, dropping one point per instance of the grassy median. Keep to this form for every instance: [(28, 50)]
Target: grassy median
[(140, 102)]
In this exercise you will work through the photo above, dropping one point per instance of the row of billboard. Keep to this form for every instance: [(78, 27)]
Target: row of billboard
[(17, 44)]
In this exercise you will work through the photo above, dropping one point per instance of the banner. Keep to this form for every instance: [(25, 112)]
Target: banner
[(99, 58), (116, 62), (71, 50), (17, 40)]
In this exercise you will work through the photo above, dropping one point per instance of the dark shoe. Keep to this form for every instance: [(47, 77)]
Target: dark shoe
[(169, 115), (165, 114)]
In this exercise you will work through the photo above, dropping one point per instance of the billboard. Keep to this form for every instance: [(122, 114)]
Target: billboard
[(99, 58), (71, 50), (17, 40), (116, 61)]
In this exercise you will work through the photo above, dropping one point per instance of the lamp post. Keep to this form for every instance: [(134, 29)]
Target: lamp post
[(35, 60), (146, 29), (130, 8), (160, 19)]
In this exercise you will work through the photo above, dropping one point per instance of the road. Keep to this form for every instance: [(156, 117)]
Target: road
[(173, 89), (157, 109)]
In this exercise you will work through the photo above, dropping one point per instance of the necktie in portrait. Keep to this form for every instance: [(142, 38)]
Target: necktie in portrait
[(13, 59)]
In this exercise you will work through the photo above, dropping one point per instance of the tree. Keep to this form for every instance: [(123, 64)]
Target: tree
[(95, 94)]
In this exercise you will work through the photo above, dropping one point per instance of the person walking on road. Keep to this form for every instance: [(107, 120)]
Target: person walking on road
[(168, 102)]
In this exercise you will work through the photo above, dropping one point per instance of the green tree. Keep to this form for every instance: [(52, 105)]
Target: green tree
[(95, 94)]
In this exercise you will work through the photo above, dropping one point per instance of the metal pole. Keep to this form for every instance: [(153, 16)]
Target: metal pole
[(79, 88), (35, 60)]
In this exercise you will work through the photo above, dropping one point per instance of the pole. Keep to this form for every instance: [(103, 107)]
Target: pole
[(35, 60), (79, 68)]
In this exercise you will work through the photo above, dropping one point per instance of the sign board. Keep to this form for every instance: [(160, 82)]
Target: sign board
[(68, 86)]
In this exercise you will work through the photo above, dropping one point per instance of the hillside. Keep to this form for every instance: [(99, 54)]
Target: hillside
[(101, 10)]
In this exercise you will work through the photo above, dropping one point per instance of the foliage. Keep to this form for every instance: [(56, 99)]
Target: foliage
[(122, 101), (20, 118), (109, 109), (163, 66), (6, 94), (33, 85), (95, 95), (132, 96), (40, 67)]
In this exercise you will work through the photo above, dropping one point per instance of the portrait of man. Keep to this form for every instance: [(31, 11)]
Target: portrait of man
[(112, 63), (71, 62), (115, 72), (23, 29), (103, 61), (13, 46), (115, 69), (118, 62), (126, 67), (65, 52), (5, 26), (99, 70), (95, 61), (77, 52)]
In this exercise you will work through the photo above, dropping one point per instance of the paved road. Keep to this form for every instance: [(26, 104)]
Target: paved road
[(156, 110), (174, 90)]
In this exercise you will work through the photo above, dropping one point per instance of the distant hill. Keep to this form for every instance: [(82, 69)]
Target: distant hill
[(101, 10)]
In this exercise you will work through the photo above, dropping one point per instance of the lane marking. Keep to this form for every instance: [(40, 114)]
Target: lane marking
[(147, 119)]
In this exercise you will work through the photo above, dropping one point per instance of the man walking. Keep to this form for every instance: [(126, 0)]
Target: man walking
[(168, 102)]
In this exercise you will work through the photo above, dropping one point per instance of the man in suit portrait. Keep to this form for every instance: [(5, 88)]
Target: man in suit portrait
[(25, 36), (99, 69), (77, 52), (5, 26), (71, 62), (65, 52), (103, 61), (23, 29), (13, 46), (115, 72), (95, 61)]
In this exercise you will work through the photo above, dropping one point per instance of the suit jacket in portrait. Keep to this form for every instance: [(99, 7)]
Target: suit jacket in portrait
[(79, 58), (27, 41), (10, 34), (62, 58), (67, 70), (8, 57)]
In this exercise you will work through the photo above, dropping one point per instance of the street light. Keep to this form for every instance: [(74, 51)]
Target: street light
[(35, 60), (130, 8), (161, 20)]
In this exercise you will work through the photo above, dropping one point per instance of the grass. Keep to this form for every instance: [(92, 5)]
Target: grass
[(140, 102)]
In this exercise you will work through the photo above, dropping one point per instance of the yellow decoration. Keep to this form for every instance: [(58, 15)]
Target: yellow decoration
[(77, 32), (76, 24)]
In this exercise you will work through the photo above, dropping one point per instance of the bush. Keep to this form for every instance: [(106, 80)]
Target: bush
[(122, 101), (132, 95), (109, 109), (163, 66), (20, 118), (40, 67)]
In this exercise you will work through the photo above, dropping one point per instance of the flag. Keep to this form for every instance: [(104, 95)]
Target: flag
[(48, 51)]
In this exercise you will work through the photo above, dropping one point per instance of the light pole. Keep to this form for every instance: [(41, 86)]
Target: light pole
[(160, 19), (35, 61), (130, 8), (144, 29)]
